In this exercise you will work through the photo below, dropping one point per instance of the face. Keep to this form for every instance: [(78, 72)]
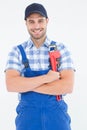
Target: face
[(37, 26)]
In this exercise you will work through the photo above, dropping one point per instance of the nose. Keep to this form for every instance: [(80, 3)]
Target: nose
[(36, 25)]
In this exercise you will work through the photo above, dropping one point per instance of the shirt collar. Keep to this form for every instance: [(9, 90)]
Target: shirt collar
[(46, 43), (30, 43)]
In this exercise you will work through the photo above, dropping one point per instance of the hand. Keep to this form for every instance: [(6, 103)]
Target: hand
[(52, 75)]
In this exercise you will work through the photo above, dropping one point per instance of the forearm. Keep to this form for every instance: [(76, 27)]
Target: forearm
[(23, 84), (60, 86), (55, 88), (17, 83)]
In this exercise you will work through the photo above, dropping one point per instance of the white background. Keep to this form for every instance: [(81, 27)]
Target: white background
[(67, 24)]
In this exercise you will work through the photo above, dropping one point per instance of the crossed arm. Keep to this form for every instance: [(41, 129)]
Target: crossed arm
[(59, 86), (51, 83)]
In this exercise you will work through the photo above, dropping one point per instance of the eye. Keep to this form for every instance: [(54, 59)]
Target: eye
[(31, 21), (41, 21)]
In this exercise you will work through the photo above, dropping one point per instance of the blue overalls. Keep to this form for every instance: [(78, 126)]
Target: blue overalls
[(37, 111)]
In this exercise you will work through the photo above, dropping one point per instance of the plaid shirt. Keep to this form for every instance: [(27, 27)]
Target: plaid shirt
[(38, 57)]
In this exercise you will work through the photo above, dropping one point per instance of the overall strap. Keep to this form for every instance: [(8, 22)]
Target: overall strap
[(53, 42), (24, 58), (52, 46)]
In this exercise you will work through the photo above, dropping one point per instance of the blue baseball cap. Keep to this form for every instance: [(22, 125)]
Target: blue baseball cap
[(35, 8)]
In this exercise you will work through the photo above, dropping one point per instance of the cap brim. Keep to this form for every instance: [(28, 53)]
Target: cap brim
[(35, 12)]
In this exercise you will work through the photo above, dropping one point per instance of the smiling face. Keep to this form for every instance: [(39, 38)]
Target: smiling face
[(36, 26)]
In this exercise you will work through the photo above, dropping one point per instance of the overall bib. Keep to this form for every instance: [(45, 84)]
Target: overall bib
[(37, 111)]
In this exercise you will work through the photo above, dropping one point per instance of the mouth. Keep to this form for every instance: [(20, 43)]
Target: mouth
[(37, 31)]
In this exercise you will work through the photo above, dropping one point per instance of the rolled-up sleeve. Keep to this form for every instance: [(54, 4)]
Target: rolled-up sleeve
[(14, 60), (66, 61)]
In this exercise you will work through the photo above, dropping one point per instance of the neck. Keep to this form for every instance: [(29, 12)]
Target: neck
[(38, 42)]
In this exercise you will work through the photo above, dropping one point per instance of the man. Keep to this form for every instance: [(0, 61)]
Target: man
[(29, 72)]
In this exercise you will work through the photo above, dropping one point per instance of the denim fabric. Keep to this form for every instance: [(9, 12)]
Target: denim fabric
[(37, 111)]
